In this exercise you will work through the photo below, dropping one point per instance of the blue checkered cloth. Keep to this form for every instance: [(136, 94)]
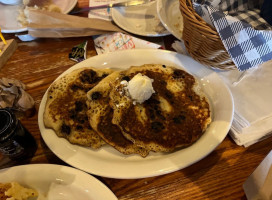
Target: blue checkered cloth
[(246, 36)]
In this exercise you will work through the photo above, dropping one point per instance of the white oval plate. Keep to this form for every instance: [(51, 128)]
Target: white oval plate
[(140, 20), (57, 182), (170, 16), (9, 14), (107, 161)]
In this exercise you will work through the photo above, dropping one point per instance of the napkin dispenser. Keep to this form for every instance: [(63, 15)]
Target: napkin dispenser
[(258, 186)]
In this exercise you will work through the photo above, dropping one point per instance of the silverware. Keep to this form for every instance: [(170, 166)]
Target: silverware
[(111, 5)]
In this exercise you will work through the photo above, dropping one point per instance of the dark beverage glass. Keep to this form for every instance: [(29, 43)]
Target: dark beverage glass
[(15, 141)]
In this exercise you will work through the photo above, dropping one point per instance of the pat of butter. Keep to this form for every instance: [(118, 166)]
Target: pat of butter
[(140, 88)]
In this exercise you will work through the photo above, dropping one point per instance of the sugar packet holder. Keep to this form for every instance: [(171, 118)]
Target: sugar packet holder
[(248, 41)]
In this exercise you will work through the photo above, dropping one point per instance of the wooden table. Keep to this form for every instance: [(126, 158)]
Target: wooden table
[(220, 175)]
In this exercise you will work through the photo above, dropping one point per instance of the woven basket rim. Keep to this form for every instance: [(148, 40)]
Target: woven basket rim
[(192, 15), (205, 38)]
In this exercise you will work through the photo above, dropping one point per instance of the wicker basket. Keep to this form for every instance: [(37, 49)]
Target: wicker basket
[(202, 41)]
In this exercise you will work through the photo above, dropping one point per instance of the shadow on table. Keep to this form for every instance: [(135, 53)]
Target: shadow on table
[(210, 176), (5, 162), (223, 172), (203, 166)]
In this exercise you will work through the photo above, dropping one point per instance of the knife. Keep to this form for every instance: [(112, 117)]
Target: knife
[(111, 5)]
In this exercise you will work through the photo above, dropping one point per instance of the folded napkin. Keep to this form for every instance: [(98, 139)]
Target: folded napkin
[(245, 34), (252, 96), (251, 91)]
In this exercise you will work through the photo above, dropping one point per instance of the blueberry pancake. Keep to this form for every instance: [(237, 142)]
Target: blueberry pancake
[(175, 116), (100, 117), (65, 110)]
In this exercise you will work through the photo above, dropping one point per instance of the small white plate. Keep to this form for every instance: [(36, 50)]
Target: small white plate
[(9, 14), (170, 16), (107, 161), (56, 182), (140, 20)]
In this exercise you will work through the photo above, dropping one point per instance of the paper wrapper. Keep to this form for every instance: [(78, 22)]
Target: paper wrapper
[(46, 24), (14, 96)]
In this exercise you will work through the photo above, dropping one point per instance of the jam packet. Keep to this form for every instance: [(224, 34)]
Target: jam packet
[(119, 41), (78, 52)]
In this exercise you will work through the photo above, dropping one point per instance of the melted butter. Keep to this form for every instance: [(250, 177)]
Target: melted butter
[(164, 105)]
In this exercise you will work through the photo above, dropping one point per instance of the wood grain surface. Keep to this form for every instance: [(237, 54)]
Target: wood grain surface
[(219, 175)]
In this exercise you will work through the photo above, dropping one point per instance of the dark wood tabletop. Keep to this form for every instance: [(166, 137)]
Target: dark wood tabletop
[(220, 175)]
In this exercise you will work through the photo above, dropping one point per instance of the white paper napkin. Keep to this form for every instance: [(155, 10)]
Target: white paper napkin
[(252, 94), (258, 186)]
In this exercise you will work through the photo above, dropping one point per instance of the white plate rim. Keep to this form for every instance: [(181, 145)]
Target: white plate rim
[(164, 163), (114, 12), (7, 175), (71, 8), (22, 29), (160, 11)]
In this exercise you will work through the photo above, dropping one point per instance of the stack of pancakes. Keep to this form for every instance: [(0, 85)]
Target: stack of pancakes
[(175, 116)]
